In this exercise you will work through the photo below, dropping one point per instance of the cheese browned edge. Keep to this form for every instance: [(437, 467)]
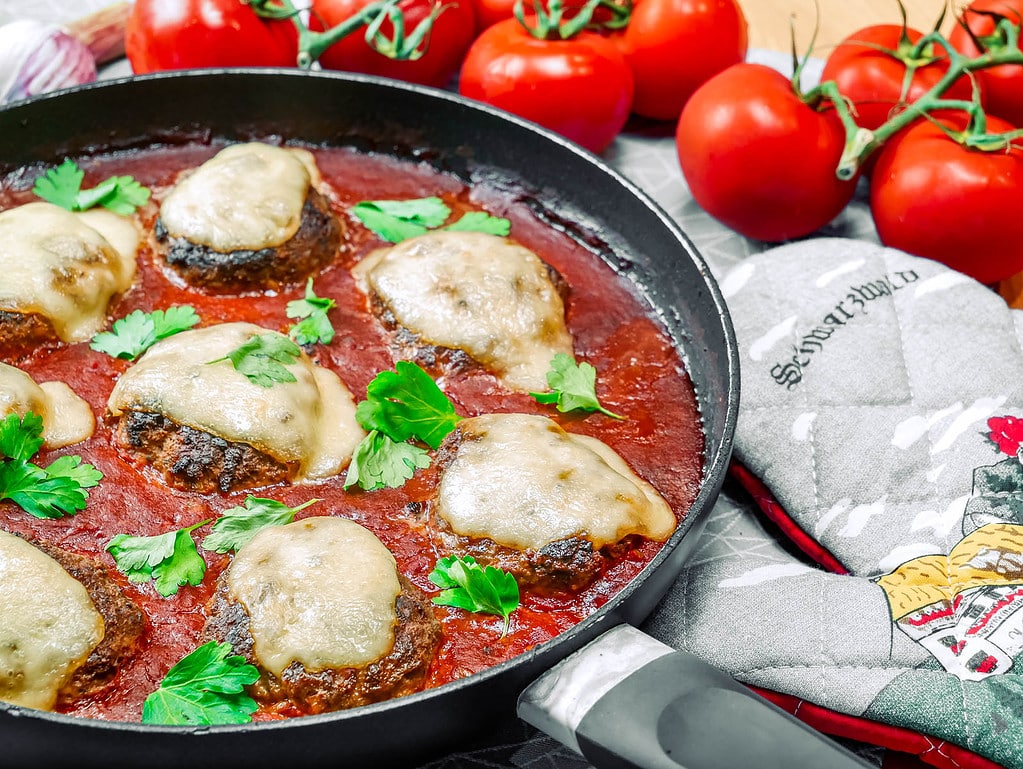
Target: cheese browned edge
[(66, 418), (320, 592), (50, 625), (524, 482), (480, 293), (310, 421), (246, 197), (65, 266)]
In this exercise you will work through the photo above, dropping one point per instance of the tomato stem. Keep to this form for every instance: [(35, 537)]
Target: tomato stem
[(860, 143), (311, 45), (552, 23)]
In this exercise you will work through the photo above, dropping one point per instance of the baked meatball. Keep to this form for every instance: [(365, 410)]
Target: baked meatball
[(61, 270), (518, 492), (205, 426), (250, 218), (68, 627), (452, 297), (319, 607)]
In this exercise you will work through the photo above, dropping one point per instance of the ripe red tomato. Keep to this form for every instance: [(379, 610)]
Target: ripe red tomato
[(181, 34), (674, 46), (759, 159), (489, 12), (452, 32), (1002, 86), (872, 79), (933, 197), (580, 87)]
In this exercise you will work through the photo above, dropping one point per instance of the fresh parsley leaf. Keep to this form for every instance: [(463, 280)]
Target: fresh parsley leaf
[(573, 386), (380, 462), (263, 358), (62, 186), (170, 560), (37, 493), (406, 403), (238, 525), (315, 326), (21, 437), (72, 468), (50, 492), (467, 585), (137, 331), (396, 220), (481, 221), (206, 686)]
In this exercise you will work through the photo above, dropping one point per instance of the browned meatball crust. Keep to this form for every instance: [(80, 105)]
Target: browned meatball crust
[(123, 623), (23, 332), (308, 251), (194, 460), (402, 671)]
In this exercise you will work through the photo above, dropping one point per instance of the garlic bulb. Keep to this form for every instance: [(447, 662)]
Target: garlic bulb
[(37, 57)]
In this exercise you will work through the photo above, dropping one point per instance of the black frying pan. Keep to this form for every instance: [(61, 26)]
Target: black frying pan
[(565, 185)]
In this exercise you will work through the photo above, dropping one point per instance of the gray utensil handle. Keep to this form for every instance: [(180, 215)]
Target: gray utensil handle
[(671, 710)]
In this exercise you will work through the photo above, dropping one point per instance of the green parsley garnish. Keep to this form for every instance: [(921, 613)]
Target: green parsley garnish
[(170, 560), (467, 585), (62, 186), (136, 332), (206, 686), (238, 525), (573, 385), (401, 405), (397, 220), (50, 492), (314, 326), (380, 462), (263, 359)]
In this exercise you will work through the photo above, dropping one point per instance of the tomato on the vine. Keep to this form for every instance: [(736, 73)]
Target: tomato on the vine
[(489, 12), (758, 158), (182, 34), (1001, 86), (441, 53), (580, 87), (674, 46), (869, 70), (934, 197)]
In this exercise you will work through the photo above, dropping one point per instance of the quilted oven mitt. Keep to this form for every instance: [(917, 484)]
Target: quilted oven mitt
[(880, 427)]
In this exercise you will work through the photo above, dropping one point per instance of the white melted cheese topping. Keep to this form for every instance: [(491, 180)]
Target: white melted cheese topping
[(63, 266), (320, 591), (66, 418), (49, 627), (310, 421), (247, 196), (524, 482), (482, 294)]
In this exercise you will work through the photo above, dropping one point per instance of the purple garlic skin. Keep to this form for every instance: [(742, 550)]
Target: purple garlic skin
[(36, 58)]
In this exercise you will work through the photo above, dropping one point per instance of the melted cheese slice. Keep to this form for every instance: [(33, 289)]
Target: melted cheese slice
[(49, 627), (66, 418), (247, 196), (474, 292), (524, 482), (320, 591), (310, 421), (62, 266)]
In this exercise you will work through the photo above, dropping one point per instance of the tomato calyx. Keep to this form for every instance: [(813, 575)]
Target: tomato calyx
[(975, 135), (555, 21), (999, 37), (403, 45)]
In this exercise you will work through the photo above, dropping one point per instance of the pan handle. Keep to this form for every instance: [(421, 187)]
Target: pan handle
[(627, 700)]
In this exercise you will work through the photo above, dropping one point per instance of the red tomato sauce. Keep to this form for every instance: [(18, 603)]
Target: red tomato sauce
[(639, 375)]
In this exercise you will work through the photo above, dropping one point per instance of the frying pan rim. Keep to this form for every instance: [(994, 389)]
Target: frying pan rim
[(713, 472)]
